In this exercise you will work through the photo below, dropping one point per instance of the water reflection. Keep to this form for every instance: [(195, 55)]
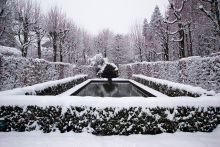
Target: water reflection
[(104, 89)]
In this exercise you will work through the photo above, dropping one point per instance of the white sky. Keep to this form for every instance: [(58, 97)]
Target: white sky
[(117, 15)]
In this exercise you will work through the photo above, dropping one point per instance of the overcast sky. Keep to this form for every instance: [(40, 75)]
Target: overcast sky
[(117, 15)]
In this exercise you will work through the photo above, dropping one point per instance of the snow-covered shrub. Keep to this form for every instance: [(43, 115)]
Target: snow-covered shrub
[(110, 71), (48, 88), (96, 61), (110, 120), (170, 88), (196, 71), (100, 64), (9, 51)]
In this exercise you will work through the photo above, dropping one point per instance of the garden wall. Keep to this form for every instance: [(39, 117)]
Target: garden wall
[(19, 72), (197, 71)]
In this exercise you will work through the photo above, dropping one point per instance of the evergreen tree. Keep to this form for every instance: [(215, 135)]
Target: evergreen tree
[(160, 33)]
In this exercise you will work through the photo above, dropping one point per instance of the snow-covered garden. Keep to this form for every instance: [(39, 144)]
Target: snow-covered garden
[(173, 110), (171, 65)]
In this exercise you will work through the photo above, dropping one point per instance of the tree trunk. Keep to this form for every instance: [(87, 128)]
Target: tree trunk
[(217, 15), (39, 45), (110, 80), (25, 44), (54, 46), (190, 40), (166, 52), (61, 51), (140, 54), (182, 41)]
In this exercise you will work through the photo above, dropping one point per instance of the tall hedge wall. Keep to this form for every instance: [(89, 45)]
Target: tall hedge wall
[(196, 71), (20, 72)]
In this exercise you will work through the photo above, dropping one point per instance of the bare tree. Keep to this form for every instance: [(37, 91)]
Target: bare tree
[(6, 23), (179, 21), (4, 12), (24, 25), (137, 39), (53, 27), (86, 45), (38, 26), (103, 42), (62, 34), (73, 42), (213, 14), (120, 49)]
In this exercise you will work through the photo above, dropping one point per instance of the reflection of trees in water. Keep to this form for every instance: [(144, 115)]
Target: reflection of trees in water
[(110, 90)]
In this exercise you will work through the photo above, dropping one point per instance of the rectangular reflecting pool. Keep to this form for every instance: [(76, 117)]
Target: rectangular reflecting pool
[(115, 89)]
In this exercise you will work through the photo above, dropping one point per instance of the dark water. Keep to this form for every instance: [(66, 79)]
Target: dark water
[(104, 89)]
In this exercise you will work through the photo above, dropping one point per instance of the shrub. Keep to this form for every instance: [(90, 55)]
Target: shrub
[(110, 120)]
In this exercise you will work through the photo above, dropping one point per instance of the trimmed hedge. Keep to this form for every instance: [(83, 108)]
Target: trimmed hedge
[(196, 71), (59, 88), (172, 92), (21, 72), (110, 121)]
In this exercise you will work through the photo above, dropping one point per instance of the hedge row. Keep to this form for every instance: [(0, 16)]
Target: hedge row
[(59, 88), (110, 121), (21, 72), (196, 71), (170, 91)]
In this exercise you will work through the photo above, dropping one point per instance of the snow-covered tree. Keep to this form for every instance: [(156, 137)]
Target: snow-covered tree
[(38, 27), (86, 45), (212, 12), (63, 31), (159, 29), (6, 23), (177, 14), (103, 42), (138, 40), (146, 28), (53, 27), (120, 50), (24, 12)]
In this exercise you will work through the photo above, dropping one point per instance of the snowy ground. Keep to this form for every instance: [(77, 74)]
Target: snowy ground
[(56, 139)]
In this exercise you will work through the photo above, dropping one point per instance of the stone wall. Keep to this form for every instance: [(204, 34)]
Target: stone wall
[(196, 71)]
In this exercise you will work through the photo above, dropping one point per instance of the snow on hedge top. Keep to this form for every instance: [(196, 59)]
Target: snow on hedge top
[(9, 51), (174, 85), (41, 86)]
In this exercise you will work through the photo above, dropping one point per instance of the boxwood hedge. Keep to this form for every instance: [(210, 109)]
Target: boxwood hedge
[(170, 91), (59, 88), (110, 120)]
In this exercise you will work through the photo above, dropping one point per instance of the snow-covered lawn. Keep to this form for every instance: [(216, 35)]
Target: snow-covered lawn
[(56, 139)]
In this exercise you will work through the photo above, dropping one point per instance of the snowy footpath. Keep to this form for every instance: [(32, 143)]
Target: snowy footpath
[(56, 139)]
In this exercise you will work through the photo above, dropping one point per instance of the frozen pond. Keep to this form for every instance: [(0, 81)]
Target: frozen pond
[(115, 89)]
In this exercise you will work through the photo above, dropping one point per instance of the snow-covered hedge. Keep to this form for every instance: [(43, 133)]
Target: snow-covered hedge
[(170, 88), (48, 88), (20, 72), (197, 71), (110, 120), (10, 51)]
